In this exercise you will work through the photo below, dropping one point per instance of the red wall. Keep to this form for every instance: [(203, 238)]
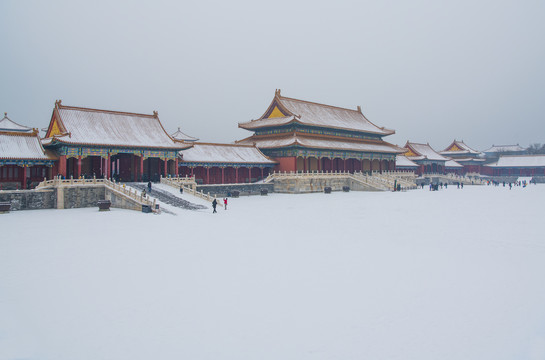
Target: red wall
[(286, 164)]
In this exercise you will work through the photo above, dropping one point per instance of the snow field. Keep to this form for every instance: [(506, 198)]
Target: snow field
[(453, 274)]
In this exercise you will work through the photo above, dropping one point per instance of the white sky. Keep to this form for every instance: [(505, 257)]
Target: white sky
[(433, 71)]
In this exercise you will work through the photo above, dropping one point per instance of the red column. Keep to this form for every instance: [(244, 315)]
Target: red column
[(62, 165), (304, 164), (158, 166), (108, 167), (79, 166), (261, 173), (134, 168), (380, 166), (192, 171), (166, 166), (177, 171), (22, 177), (344, 164), (223, 175), (208, 175), (142, 167), (236, 175)]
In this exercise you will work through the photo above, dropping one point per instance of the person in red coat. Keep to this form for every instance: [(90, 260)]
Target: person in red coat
[(225, 203)]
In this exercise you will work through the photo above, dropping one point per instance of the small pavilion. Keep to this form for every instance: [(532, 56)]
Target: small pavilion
[(23, 160), (181, 136), (112, 144), (225, 163)]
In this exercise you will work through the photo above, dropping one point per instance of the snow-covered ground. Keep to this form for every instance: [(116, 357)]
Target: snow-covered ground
[(453, 274)]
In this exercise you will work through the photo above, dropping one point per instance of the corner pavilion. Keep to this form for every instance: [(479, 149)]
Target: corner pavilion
[(103, 143), (306, 136), (23, 160)]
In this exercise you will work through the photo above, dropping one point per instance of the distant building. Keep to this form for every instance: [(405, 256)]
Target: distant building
[(496, 150), (307, 136), (518, 165), (470, 159)]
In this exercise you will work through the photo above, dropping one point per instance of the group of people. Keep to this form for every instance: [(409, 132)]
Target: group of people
[(215, 204)]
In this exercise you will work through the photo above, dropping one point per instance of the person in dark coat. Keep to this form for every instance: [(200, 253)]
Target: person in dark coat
[(214, 204), (149, 187)]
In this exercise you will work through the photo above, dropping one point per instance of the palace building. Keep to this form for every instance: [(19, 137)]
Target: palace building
[(495, 151), (224, 163), (307, 136), (470, 159), (429, 161), (23, 160), (518, 165), (103, 143)]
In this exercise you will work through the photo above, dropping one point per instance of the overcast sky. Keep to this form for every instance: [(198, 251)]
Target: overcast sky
[(431, 70)]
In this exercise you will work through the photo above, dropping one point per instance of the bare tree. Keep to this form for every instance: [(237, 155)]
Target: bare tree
[(536, 148)]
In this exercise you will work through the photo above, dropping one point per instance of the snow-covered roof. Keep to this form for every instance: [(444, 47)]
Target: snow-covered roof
[(453, 164), (6, 124), (284, 110), (505, 148), (225, 153), (82, 126), (318, 143), (417, 151), (179, 135), (514, 161), (22, 145), (470, 159), (402, 161), (458, 148)]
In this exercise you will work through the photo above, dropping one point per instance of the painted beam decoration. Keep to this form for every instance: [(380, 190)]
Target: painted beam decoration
[(332, 154), (26, 163), (74, 152)]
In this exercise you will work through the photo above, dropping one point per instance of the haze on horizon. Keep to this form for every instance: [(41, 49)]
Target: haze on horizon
[(433, 71)]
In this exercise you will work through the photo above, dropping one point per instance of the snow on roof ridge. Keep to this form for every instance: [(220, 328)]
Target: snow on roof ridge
[(320, 104), (66, 107)]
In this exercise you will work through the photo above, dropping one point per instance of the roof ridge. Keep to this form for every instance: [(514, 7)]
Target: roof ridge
[(19, 133), (223, 144), (65, 107), (321, 104)]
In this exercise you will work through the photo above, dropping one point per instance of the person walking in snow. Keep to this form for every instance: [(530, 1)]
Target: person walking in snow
[(149, 187), (225, 203), (214, 204)]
